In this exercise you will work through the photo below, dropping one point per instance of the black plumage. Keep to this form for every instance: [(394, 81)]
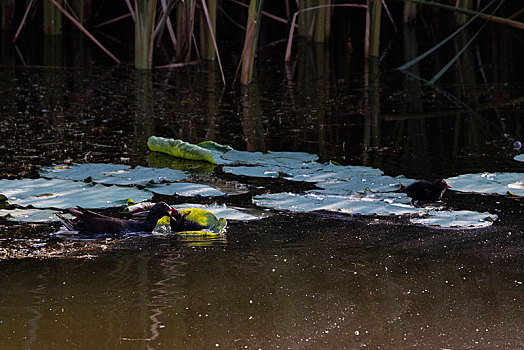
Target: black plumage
[(87, 221), (426, 192), (179, 223)]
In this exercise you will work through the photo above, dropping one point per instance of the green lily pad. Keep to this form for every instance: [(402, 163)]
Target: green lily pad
[(3, 201), (185, 189), (221, 211), (489, 183), (457, 219), (113, 174), (519, 158), (217, 150), (213, 225), (61, 194), (180, 149), (31, 215)]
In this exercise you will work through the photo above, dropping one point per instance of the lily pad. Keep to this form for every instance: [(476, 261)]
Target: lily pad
[(374, 204), (287, 159), (489, 183), (382, 204), (185, 189), (519, 158), (213, 225), (31, 215), (61, 194), (180, 149), (457, 219), (221, 211), (113, 174), (217, 150)]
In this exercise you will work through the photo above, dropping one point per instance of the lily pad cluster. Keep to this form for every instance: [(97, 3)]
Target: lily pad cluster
[(109, 185), (113, 174), (346, 189)]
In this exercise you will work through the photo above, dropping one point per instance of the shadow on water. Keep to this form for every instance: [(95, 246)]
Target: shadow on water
[(290, 280)]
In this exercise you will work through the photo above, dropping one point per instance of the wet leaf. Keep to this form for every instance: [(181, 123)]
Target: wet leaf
[(185, 189), (496, 183), (62, 194), (519, 158), (221, 211), (31, 215), (180, 149), (383, 204), (3, 201), (456, 218), (113, 174), (212, 224)]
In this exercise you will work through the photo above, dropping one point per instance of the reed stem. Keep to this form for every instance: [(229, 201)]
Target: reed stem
[(376, 12), (52, 18), (145, 11)]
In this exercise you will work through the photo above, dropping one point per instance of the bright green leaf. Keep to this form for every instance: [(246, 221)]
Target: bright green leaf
[(180, 149)]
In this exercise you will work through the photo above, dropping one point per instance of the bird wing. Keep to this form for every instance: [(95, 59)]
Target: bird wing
[(85, 211), (67, 223)]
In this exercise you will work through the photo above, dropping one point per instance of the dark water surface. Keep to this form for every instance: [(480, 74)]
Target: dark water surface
[(290, 281)]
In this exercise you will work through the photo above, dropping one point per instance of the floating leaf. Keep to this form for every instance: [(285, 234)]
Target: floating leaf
[(286, 159), (373, 204), (221, 211), (79, 172), (380, 204), (213, 146), (180, 149), (3, 201), (519, 158), (213, 225), (185, 189), (498, 183), (57, 193), (456, 218), (31, 215), (113, 174)]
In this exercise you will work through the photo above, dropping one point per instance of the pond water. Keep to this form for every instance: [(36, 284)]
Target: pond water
[(290, 281)]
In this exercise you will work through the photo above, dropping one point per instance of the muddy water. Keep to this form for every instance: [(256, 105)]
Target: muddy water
[(288, 281)]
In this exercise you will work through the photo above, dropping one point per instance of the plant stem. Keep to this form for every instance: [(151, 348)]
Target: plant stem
[(52, 18), (374, 45), (145, 11)]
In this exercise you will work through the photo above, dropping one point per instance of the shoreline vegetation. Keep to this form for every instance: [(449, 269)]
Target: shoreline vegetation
[(171, 34)]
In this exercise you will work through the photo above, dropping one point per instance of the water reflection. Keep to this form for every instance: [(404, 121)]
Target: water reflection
[(341, 286)]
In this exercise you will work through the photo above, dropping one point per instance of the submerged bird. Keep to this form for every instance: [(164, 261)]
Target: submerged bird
[(426, 192), (181, 224), (87, 221)]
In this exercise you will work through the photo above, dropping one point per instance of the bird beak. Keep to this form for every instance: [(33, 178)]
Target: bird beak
[(172, 212), (448, 186)]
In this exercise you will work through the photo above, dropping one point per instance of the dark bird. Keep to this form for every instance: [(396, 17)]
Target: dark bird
[(87, 221), (181, 223), (426, 192)]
